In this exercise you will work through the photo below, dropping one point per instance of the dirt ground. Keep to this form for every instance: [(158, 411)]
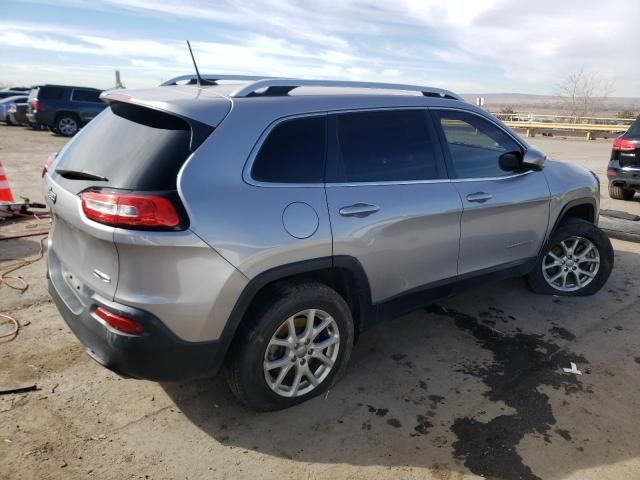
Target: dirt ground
[(473, 386)]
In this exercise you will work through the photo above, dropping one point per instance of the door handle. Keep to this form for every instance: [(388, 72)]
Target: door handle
[(358, 210), (479, 197)]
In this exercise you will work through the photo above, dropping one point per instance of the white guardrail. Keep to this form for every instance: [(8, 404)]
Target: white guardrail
[(534, 123)]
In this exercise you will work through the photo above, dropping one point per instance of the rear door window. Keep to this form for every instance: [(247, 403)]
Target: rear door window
[(80, 95), (135, 148), (475, 144), (294, 152), (385, 146)]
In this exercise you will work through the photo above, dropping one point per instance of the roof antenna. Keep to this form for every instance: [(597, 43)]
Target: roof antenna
[(199, 78)]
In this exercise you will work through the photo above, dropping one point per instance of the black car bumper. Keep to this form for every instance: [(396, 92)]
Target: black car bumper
[(157, 354), (625, 177), (19, 118)]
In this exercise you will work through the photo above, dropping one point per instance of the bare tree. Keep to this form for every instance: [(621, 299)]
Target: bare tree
[(583, 92)]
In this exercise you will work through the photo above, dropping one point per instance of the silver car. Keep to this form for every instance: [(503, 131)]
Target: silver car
[(261, 227), (5, 105)]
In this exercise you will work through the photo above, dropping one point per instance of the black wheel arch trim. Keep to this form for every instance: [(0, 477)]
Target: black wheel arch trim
[(575, 203), (66, 113), (561, 216), (298, 269)]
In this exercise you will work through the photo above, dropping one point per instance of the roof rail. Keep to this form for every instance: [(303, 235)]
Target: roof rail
[(210, 78), (282, 86)]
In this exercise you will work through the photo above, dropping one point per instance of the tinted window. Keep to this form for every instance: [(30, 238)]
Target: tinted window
[(294, 152), (13, 100), (384, 146), (51, 93), (634, 130), (475, 144), (133, 147), (86, 96)]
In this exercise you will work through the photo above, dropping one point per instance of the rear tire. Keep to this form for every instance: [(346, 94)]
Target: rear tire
[(556, 262), (67, 125), (618, 193), (265, 340)]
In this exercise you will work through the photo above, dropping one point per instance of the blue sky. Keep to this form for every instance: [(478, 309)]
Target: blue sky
[(463, 45)]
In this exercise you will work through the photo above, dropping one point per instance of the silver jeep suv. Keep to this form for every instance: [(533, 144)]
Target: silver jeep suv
[(261, 226)]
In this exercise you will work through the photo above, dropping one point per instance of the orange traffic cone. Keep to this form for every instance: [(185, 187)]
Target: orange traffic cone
[(5, 191)]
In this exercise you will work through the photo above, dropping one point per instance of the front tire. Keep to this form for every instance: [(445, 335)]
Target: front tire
[(295, 344), (577, 261), (618, 193)]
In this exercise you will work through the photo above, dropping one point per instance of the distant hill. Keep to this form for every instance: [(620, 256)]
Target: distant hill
[(523, 102)]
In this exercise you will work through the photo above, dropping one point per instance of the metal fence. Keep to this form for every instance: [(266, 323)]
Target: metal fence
[(535, 123)]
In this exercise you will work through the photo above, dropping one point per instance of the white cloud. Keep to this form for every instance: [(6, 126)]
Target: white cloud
[(465, 45)]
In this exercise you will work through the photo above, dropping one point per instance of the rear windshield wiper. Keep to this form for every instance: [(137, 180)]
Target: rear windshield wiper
[(79, 175)]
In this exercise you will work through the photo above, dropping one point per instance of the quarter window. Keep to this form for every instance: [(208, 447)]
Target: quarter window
[(475, 144), (294, 152), (51, 93), (384, 145)]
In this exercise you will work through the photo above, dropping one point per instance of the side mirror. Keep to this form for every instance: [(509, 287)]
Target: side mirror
[(533, 159), (511, 161)]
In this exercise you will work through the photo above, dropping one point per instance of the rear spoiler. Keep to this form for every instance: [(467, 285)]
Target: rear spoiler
[(185, 102), (199, 130)]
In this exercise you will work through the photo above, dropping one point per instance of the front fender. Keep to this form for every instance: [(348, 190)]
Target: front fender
[(570, 185)]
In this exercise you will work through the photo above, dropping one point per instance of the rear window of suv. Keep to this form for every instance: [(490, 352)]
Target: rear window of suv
[(135, 148), (634, 130), (50, 93)]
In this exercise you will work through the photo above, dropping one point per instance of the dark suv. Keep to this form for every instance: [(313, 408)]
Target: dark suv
[(624, 166), (63, 109)]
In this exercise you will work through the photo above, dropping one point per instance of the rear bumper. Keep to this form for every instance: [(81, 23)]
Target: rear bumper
[(157, 354), (44, 118), (18, 118), (624, 177)]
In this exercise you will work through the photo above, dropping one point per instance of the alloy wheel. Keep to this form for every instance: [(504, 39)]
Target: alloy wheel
[(572, 264), (301, 353), (67, 126)]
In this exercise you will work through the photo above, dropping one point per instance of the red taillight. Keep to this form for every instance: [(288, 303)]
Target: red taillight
[(623, 144), (611, 172), (48, 162), (125, 210), (36, 105), (118, 322)]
